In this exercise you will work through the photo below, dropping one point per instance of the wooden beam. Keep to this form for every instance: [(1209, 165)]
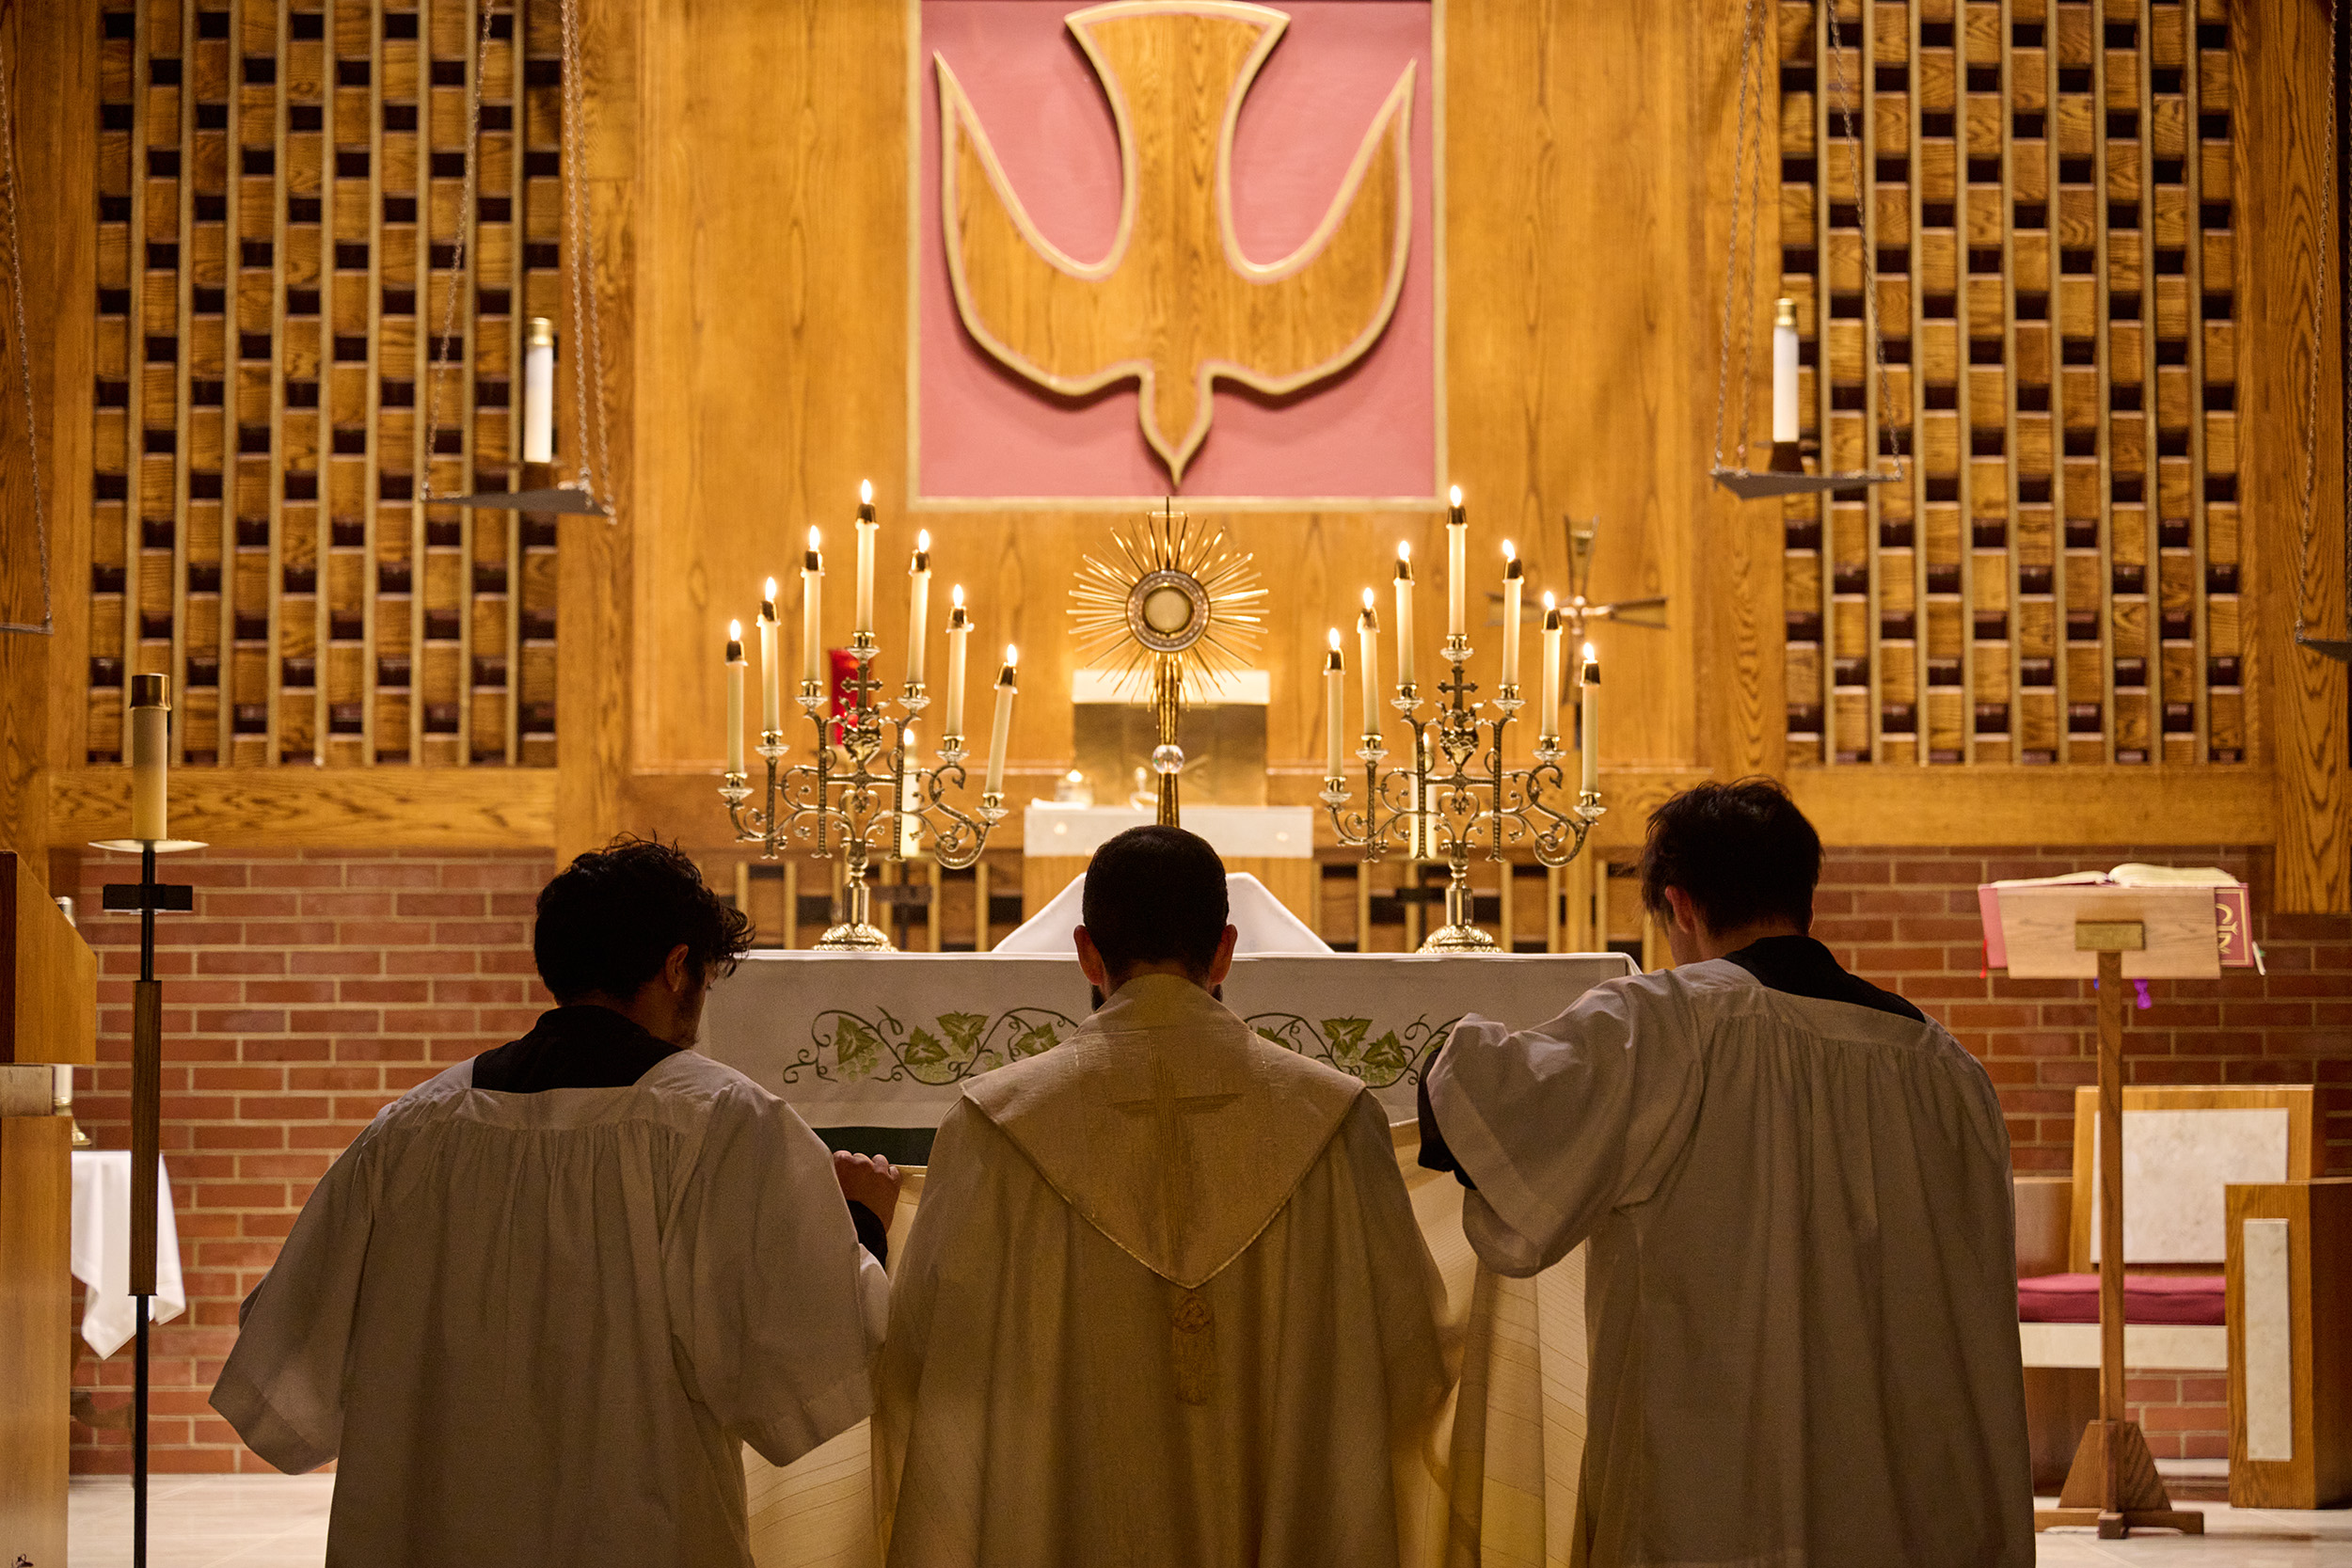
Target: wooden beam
[(309, 808), (1992, 807), (2278, 65)]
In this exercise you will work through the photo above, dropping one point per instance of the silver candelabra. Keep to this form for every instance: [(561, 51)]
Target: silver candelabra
[(864, 784), (1457, 799)]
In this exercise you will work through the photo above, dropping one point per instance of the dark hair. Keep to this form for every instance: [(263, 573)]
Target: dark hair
[(1742, 851), (608, 921), (1152, 895)]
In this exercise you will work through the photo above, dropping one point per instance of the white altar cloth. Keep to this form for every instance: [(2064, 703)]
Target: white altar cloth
[(1265, 925), (101, 1251), (886, 1039)]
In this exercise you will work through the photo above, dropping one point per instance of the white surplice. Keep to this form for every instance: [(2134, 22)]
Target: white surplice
[(1802, 1279), (532, 1327), (1166, 1302)]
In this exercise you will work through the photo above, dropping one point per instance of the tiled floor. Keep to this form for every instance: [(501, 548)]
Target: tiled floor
[(280, 1522)]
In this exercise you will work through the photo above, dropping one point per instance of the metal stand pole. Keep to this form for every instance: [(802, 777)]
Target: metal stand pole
[(146, 1021)]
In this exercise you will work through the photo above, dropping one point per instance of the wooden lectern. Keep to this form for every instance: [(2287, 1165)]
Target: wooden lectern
[(2129, 933)]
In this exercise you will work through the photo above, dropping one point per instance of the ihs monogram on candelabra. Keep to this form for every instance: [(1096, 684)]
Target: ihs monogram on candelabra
[(1456, 800)]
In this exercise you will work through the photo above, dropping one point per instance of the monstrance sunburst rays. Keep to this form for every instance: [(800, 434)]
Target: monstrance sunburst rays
[(1177, 601)]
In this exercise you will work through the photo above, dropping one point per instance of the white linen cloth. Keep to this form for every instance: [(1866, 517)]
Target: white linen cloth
[(532, 1327), (1165, 1302), (1801, 1289), (101, 1255), (1265, 926)]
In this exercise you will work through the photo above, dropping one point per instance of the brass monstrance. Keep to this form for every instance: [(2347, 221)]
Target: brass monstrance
[(1458, 800), (1179, 599)]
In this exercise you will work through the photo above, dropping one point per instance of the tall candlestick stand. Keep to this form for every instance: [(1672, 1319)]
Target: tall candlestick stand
[(856, 798), (1456, 800)]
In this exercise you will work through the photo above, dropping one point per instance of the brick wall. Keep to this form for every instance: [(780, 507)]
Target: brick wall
[(1907, 920), (304, 991)]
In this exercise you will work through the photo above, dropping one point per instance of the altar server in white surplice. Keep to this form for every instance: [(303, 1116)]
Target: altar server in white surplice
[(1165, 1302), (536, 1306), (1802, 1283)]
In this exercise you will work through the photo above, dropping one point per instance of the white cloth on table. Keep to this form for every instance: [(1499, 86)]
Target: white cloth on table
[(100, 1256), (535, 1328), (1802, 1284), (1263, 924)]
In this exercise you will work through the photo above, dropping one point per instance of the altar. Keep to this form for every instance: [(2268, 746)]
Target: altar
[(887, 1039)]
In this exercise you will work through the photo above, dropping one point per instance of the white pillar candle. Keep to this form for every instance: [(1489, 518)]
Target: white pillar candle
[(1000, 733), (1589, 689), (1457, 567), (812, 600), (1549, 714), (770, 666), (1368, 651), (1784, 373), (1513, 580), (151, 756), (918, 606), (867, 528), (539, 391), (1335, 705), (1404, 615), (959, 633), (735, 686)]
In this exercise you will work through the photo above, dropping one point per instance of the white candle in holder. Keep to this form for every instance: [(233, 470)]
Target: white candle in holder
[(918, 606), (770, 666), (734, 689), (959, 633), (1513, 580), (1457, 567), (1404, 615), (1335, 705), (867, 528), (1589, 689), (151, 756), (1000, 733), (1784, 373), (1549, 715), (1368, 650), (812, 629), (539, 390)]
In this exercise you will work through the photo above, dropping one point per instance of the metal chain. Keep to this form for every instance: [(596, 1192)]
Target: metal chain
[(24, 362), (582, 281), (1731, 261), (2311, 390), (1846, 96), (1758, 157), (458, 259)]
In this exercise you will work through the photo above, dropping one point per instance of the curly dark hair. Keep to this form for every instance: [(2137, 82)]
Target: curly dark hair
[(608, 921), (1741, 851)]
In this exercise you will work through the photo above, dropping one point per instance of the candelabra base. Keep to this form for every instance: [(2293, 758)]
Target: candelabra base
[(854, 936), (1460, 939)]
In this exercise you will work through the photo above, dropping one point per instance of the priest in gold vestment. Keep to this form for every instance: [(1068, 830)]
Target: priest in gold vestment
[(1166, 1300)]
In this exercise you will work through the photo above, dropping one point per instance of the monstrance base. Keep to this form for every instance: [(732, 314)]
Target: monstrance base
[(1458, 939), (854, 937)]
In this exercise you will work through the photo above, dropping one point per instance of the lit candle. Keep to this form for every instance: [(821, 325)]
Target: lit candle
[(1000, 733), (150, 754), (735, 684), (539, 390), (866, 529), (1512, 582), (910, 822), (1549, 716), (812, 630), (959, 633), (1456, 568), (1404, 616), (1590, 691), (918, 606), (770, 666), (1368, 652), (1335, 703), (1784, 373)]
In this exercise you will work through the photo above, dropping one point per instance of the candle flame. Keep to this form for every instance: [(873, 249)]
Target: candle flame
[(1335, 640), (813, 539), (770, 595), (922, 541), (1550, 602), (1591, 656), (1403, 550), (955, 595), (865, 492), (1455, 496), (1368, 601), (1508, 552), (1013, 655), (735, 631)]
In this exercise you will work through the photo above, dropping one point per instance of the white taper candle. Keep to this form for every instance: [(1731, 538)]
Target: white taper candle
[(735, 691), (1548, 718), (918, 606), (1404, 615), (1514, 582), (1589, 689), (867, 528), (812, 601), (1457, 567), (1000, 733), (770, 666), (1368, 652), (959, 633), (1335, 710)]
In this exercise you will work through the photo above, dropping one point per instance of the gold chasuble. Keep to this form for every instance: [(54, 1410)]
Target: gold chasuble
[(1167, 1302)]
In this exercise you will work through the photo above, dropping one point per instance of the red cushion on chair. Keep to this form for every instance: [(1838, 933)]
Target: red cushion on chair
[(2148, 1298)]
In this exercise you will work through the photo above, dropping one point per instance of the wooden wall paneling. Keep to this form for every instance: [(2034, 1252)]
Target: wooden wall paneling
[(273, 635), (135, 378), (232, 386), (2012, 549), (2193, 260), (1922, 533), (371, 411), (2160, 692), (2110, 646), (183, 357), (2279, 82), (2055, 285), (1864, 83), (332, 131), (1824, 392)]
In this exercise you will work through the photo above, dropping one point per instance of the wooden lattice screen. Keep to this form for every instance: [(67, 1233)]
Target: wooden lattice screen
[(2045, 190), (280, 192)]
